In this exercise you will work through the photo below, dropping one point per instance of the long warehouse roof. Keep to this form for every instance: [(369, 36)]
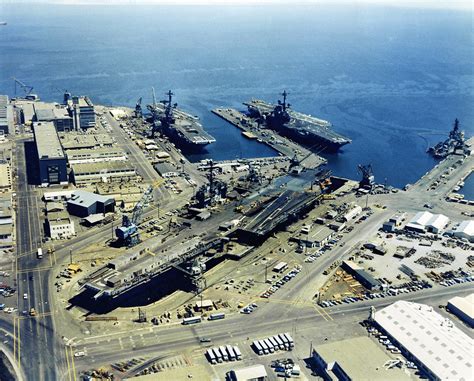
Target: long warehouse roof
[(47, 141), (431, 338)]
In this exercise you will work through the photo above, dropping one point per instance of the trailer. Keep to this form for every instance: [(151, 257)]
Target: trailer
[(281, 345), (269, 345), (238, 354), (290, 340), (211, 356), (230, 351), (265, 348), (224, 354), (258, 348), (274, 343), (286, 343), (217, 354)]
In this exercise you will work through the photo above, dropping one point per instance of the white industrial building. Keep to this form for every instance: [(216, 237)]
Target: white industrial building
[(354, 211), (426, 221), (433, 342), (251, 373), (59, 225), (463, 308), (465, 230)]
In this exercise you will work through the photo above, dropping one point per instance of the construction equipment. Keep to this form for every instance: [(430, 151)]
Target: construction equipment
[(138, 109), (26, 88), (127, 234)]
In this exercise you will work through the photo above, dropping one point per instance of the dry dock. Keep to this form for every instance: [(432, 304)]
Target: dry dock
[(282, 145)]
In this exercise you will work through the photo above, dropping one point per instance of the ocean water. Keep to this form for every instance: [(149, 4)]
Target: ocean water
[(391, 79)]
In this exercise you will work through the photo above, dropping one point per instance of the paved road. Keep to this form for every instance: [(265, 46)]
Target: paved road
[(37, 344), (104, 349)]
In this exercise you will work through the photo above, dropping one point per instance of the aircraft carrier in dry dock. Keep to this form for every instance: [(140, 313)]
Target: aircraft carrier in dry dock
[(304, 128), (182, 128)]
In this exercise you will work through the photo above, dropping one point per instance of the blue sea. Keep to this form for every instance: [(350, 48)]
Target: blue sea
[(391, 79)]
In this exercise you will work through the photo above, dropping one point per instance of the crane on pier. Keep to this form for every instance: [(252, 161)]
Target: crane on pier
[(127, 233), (26, 88), (368, 178), (138, 109)]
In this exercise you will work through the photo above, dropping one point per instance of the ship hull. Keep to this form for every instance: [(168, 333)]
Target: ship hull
[(309, 139)]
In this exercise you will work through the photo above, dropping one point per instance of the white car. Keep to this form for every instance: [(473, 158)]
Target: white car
[(80, 354), (25, 296)]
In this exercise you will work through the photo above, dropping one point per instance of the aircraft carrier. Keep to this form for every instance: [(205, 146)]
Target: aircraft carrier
[(183, 129), (304, 128)]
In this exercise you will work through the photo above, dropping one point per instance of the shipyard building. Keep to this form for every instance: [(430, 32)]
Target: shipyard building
[(6, 115), (51, 158), (59, 116), (440, 349), (84, 204), (83, 113)]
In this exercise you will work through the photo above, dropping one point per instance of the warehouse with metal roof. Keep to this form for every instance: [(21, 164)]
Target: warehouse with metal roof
[(465, 230), (463, 308), (433, 342), (426, 221)]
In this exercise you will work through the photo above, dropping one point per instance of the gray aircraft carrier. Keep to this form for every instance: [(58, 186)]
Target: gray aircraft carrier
[(301, 127)]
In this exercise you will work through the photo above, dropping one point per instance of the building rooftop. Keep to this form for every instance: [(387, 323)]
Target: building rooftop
[(466, 227), (102, 167), (78, 140), (466, 304), (58, 218), (361, 359), (431, 338), (253, 372), (87, 199), (47, 141)]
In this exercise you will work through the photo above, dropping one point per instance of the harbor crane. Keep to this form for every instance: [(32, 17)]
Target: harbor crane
[(26, 88), (138, 109), (368, 179), (127, 233)]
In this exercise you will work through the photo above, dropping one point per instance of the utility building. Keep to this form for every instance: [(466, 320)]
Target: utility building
[(52, 160)]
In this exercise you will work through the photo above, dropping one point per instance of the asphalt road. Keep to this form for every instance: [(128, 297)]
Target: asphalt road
[(286, 317), (36, 343)]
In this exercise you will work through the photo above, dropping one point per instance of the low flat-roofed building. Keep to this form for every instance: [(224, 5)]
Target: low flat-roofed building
[(53, 206), (362, 276), (463, 308), (358, 358), (52, 161), (317, 236), (83, 204), (6, 115), (5, 177), (337, 226), (433, 342), (103, 172), (465, 230), (398, 219), (251, 373), (166, 170), (97, 155), (59, 225), (80, 140), (58, 195)]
